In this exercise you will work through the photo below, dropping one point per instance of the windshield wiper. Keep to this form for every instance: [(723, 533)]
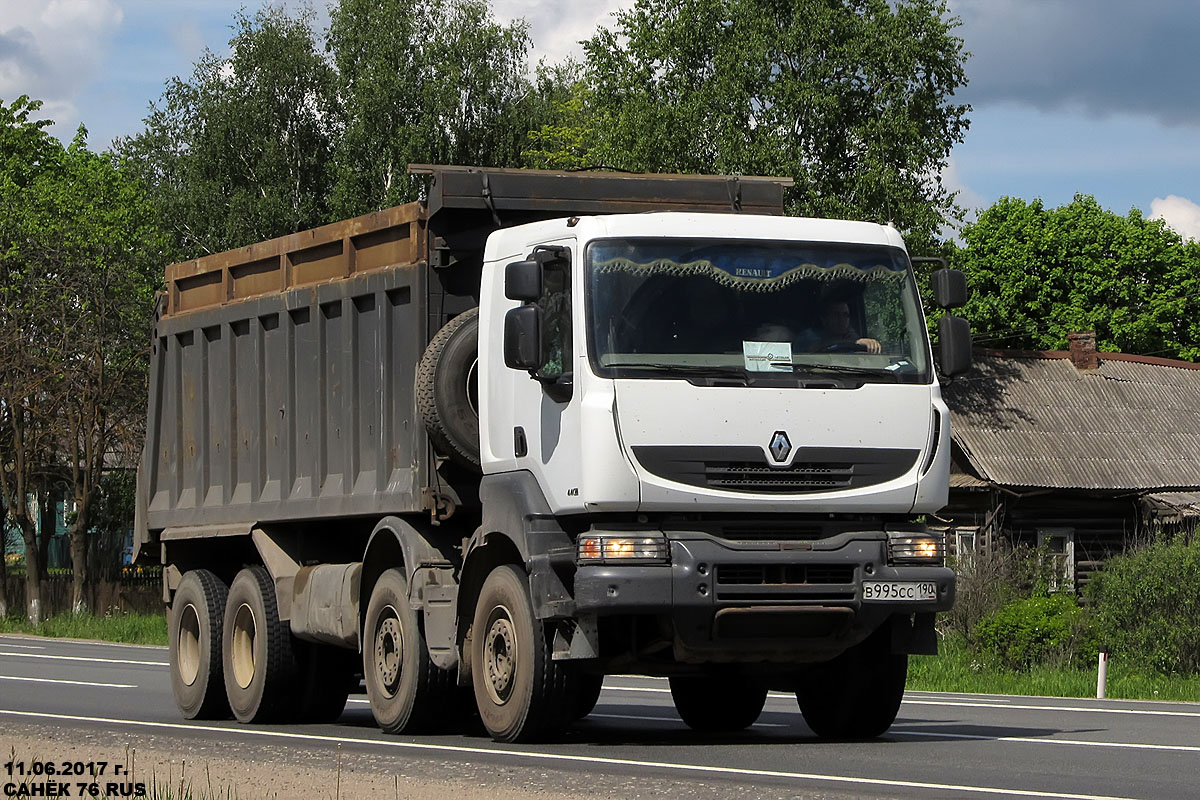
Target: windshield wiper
[(690, 369), (804, 366)]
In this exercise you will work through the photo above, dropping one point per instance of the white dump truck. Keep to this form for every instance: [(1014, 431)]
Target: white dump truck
[(482, 450)]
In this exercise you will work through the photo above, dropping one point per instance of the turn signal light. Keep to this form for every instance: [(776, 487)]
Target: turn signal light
[(593, 549)]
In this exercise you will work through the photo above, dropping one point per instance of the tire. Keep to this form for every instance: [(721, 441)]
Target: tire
[(715, 704), (521, 692), (324, 676), (260, 667), (447, 390), (196, 621), (408, 693), (856, 695), (588, 689)]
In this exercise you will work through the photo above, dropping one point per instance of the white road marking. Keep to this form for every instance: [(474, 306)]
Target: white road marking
[(534, 755), (73, 683), (1040, 740), (1135, 711), (85, 658), (968, 704), (358, 701), (676, 719), (6, 638), (954, 696), (25, 646)]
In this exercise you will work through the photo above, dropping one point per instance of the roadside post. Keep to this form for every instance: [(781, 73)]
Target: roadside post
[(1102, 673)]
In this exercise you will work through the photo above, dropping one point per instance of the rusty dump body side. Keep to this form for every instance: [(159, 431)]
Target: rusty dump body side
[(282, 373)]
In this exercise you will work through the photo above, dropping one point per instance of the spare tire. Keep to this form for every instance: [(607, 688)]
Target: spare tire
[(448, 390)]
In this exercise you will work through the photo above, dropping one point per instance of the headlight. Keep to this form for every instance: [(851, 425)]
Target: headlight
[(609, 549), (928, 549)]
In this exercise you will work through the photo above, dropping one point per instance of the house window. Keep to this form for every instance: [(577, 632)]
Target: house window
[(1058, 545), (965, 544)]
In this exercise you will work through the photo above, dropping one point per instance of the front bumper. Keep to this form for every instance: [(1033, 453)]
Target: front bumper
[(760, 601)]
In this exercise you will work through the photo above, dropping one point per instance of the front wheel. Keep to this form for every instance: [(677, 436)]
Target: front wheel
[(408, 693), (521, 692), (856, 695), (716, 705)]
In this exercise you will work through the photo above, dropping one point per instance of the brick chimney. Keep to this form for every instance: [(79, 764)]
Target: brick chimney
[(1083, 350)]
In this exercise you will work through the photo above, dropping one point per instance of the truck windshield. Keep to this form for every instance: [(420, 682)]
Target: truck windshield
[(682, 307)]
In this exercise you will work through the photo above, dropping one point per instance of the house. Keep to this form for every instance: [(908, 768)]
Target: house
[(1080, 452)]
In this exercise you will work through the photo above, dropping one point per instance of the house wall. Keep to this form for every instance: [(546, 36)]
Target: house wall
[(1096, 526)]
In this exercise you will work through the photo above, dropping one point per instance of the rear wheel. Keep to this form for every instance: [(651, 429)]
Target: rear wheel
[(260, 668), (856, 695), (408, 692), (588, 693), (521, 692), (324, 675), (717, 704), (197, 677)]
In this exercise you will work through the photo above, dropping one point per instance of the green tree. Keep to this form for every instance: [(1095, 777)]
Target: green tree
[(240, 151), (79, 257), (1039, 273), (28, 392), (423, 81), (107, 261), (851, 98)]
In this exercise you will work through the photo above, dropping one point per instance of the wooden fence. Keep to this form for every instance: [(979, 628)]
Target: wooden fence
[(136, 593)]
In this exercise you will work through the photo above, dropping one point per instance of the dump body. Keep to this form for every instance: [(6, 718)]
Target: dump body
[(282, 379)]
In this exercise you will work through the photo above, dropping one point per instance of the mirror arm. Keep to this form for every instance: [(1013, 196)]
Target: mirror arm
[(559, 389)]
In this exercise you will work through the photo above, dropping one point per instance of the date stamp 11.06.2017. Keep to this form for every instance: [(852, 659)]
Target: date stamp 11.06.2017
[(50, 778)]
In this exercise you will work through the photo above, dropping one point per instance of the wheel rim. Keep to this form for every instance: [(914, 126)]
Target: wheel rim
[(242, 651), (500, 655), (188, 644), (473, 387), (389, 651)]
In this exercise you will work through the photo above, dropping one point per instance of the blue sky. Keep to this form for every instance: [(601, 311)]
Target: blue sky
[(1092, 96)]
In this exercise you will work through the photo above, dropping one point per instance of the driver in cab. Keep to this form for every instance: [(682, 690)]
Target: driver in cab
[(834, 331)]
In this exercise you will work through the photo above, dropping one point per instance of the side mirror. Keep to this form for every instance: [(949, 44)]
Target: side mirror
[(954, 342), (949, 288), (523, 281), (523, 337)]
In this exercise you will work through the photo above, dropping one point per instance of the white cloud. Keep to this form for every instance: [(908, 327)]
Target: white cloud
[(971, 200), (1179, 213), (50, 51), (557, 27)]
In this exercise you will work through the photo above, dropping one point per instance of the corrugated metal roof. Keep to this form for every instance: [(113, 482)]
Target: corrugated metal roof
[(1037, 421)]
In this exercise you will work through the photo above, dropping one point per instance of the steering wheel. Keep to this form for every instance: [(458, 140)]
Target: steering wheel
[(845, 347)]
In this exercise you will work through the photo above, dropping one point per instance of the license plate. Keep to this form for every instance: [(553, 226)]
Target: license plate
[(899, 591)]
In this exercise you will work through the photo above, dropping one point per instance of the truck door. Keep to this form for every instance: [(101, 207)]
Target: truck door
[(546, 403)]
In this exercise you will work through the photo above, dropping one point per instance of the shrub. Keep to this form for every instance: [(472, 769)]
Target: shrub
[(1036, 630), (988, 580), (1147, 606)]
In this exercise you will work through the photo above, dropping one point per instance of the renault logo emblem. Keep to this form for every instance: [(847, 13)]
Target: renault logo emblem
[(780, 446)]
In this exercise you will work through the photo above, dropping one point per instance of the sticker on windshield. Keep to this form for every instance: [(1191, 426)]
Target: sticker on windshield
[(767, 356)]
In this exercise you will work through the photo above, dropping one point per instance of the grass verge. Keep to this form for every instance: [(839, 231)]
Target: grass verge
[(957, 669), (116, 626)]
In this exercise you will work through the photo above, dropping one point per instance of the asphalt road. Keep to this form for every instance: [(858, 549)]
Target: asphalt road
[(942, 745)]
